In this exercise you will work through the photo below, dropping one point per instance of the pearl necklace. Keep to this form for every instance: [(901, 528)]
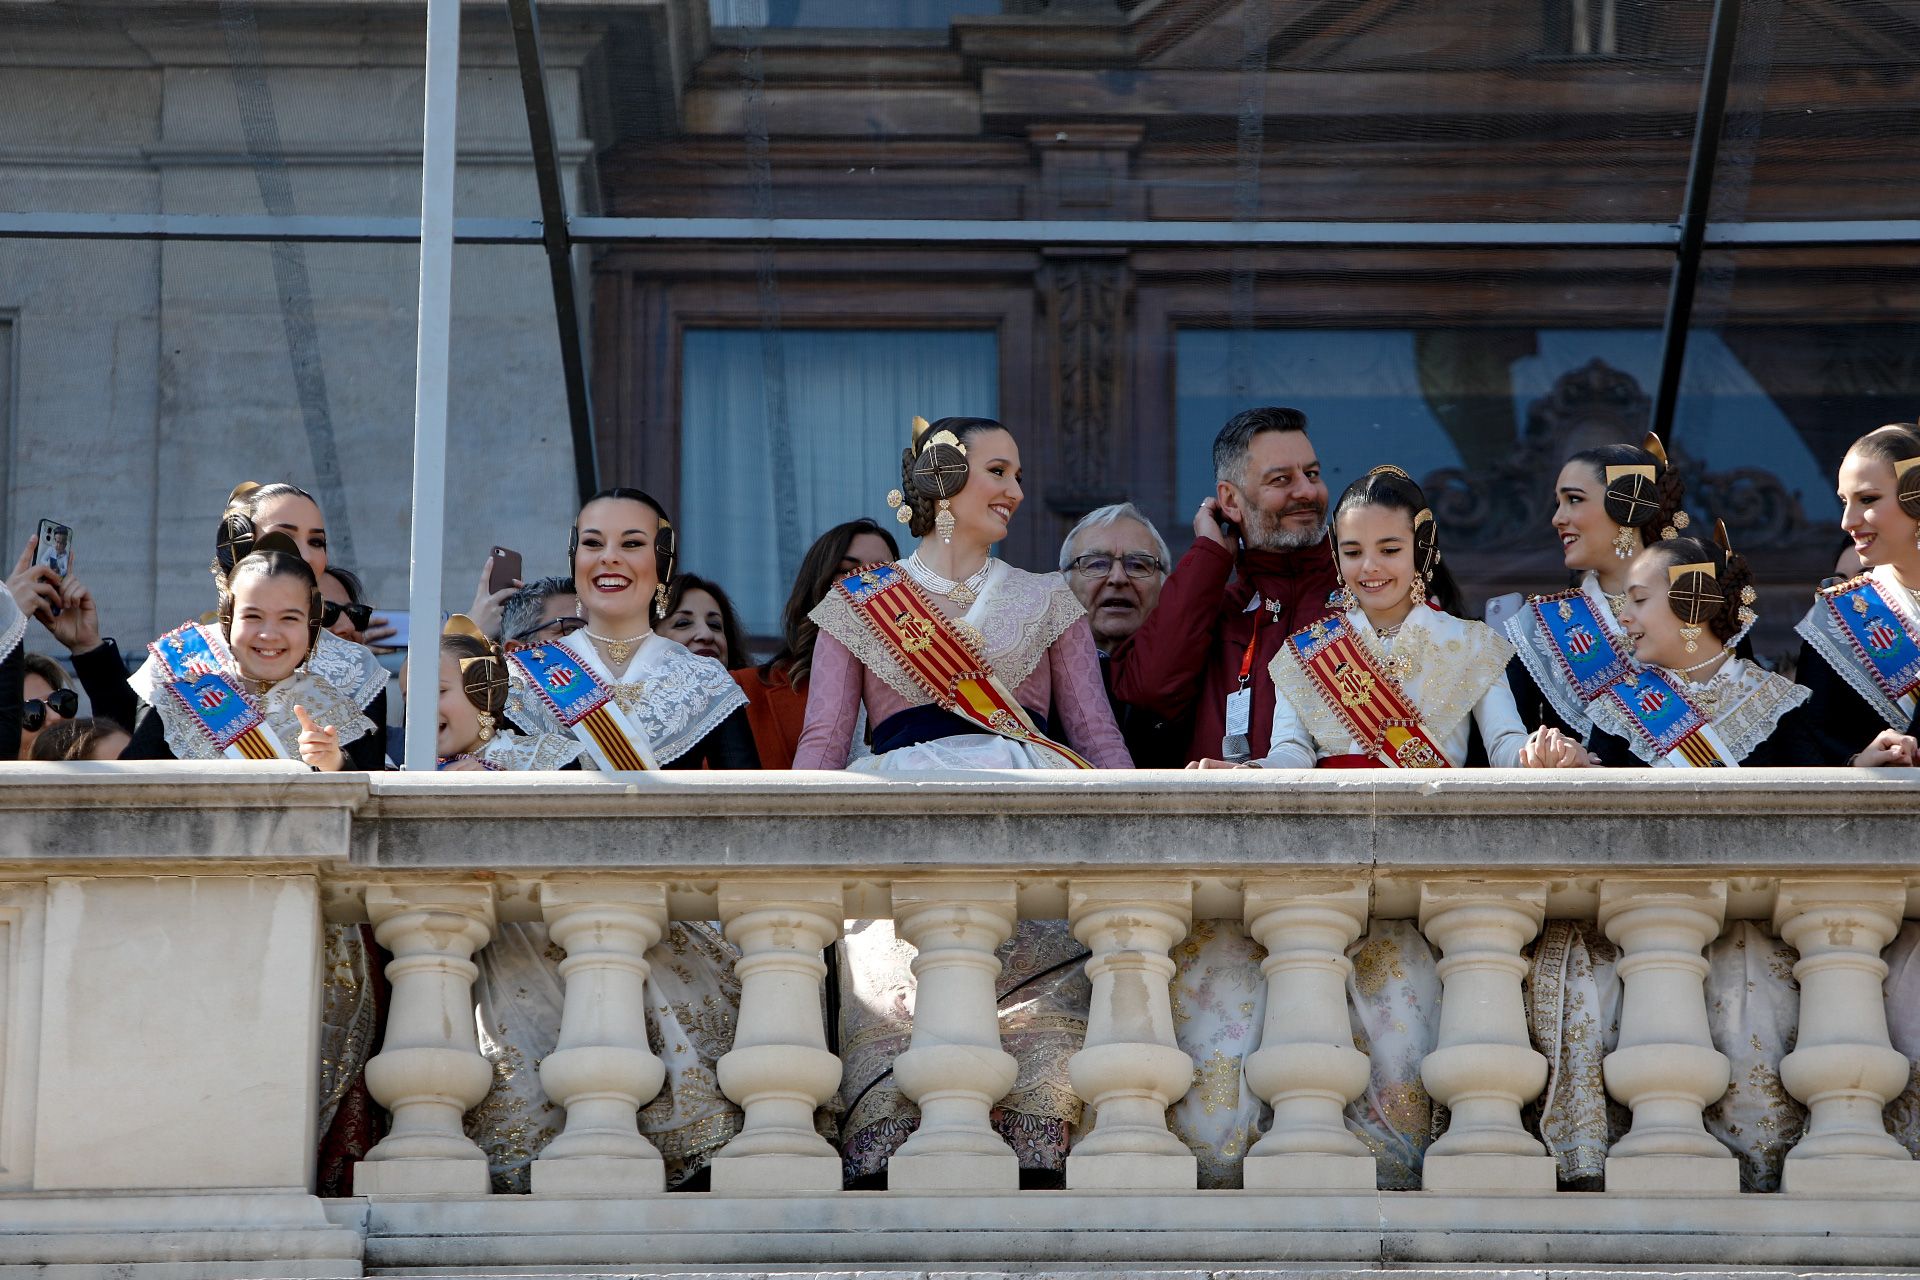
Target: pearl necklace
[(961, 593), (618, 651)]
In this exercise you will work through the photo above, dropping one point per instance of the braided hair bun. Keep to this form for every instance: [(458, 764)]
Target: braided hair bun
[(933, 467), (1644, 491), (1721, 602)]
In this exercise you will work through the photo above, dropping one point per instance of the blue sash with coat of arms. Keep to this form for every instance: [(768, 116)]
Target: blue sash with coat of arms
[(585, 705), (1583, 645), (220, 711), (1665, 721)]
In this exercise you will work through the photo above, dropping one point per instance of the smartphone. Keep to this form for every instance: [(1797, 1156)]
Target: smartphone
[(504, 569), (401, 622), (55, 550)]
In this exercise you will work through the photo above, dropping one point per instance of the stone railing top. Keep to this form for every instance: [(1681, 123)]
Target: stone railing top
[(1037, 828)]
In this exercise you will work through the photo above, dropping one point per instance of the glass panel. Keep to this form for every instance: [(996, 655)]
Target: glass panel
[(153, 377), (232, 108), (1488, 110), (1820, 114), (877, 14), (816, 419)]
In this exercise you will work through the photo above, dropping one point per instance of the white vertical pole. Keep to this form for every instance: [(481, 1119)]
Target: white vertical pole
[(430, 375)]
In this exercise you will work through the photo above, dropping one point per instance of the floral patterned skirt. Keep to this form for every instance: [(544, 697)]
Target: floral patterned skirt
[(693, 1000), (1043, 995)]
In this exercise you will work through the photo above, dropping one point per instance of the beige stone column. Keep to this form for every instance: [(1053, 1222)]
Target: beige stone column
[(1306, 1066), (955, 1069), (1844, 1066), (1484, 1068), (1665, 1067), (1131, 1069), (779, 1070), (429, 1071), (602, 1070)]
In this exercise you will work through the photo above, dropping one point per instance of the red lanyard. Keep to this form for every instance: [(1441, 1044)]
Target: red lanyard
[(1246, 662)]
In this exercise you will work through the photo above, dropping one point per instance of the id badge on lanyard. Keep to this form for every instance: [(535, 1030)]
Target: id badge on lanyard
[(1237, 744)]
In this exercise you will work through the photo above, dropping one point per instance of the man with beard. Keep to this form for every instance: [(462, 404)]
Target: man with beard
[(1116, 563), (1203, 652)]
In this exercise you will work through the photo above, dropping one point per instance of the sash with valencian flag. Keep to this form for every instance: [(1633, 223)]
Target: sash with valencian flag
[(584, 704), (1878, 640), (1667, 724), (215, 707), (1368, 701), (941, 661), (1583, 645)]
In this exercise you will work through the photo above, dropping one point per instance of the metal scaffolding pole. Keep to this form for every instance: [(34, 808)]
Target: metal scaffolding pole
[(1707, 128), (430, 377)]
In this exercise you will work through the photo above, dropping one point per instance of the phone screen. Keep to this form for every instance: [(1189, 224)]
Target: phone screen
[(55, 550)]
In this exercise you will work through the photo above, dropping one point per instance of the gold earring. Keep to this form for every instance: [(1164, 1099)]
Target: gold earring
[(660, 599), (1626, 543), (579, 610), (1691, 633), (943, 523), (1342, 599), (1418, 590), (486, 727)]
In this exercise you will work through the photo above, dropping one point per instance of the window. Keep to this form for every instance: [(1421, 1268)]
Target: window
[(787, 434), (874, 14)]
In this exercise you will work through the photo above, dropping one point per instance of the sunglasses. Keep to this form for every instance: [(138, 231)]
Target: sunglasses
[(552, 626), (358, 614), (64, 703)]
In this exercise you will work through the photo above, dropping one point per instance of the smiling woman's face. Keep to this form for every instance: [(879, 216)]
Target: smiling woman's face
[(984, 508), (614, 567), (1870, 513)]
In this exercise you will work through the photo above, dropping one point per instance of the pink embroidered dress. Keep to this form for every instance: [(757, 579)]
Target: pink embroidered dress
[(1034, 634)]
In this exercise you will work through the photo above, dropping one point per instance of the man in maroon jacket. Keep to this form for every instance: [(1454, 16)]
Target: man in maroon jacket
[(1204, 651)]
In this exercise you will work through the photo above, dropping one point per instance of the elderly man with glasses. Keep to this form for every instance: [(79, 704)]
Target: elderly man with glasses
[(1116, 563)]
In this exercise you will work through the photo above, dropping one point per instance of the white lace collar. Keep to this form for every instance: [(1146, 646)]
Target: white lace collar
[(671, 694), (1742, 700), (324, 701), (13, 623), (532, 751)]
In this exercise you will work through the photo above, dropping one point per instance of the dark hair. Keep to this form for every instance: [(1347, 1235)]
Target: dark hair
[(1670, 488), (923, 509), (460, 646), (1895, 442), (737, 655), (73, 739), (626, 494), (1396, 492), (39, 664), (1731, 572), (247, 499), (349, 582), (819, 570), (1231, 445)]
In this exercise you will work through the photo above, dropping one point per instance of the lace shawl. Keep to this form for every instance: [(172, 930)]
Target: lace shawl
[(13, 623), (1449, 662), (1018, 617), (348, 667), (516, 752), (1535, 650), (671, 694), (1743, 702), (326, 703), (1820, 630)]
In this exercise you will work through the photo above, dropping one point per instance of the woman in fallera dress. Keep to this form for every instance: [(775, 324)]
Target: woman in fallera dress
[(899, 640), (1609, 502), (629, 699)]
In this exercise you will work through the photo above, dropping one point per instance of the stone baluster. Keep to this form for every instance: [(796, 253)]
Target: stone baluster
[(1665, 1067), (602, 1070), (955, 1069), (1484, 1068), (1844, 1066), (429, 1071), (1131, 1069), (779, 1070), (1306, 1066)]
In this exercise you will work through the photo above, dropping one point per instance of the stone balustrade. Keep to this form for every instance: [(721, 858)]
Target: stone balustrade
[(160, 931)]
